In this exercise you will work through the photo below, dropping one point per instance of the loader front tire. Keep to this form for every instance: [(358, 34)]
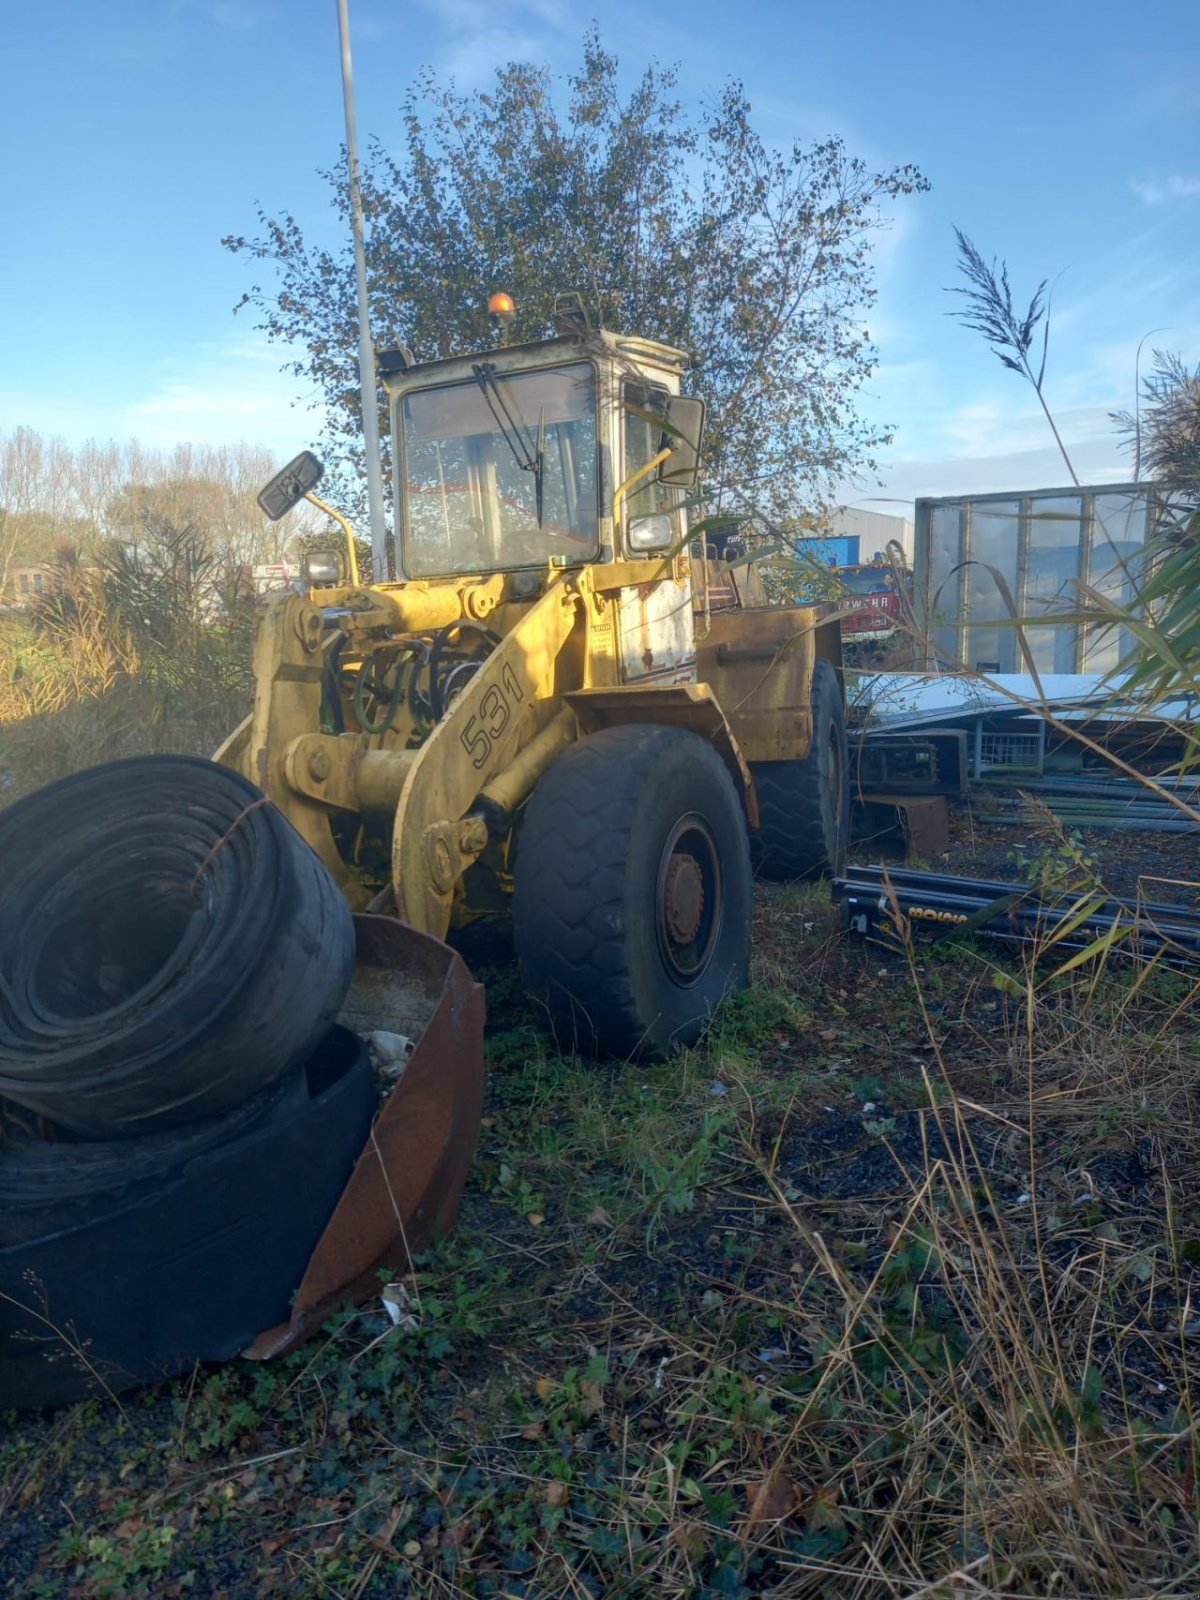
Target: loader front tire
[(804, 806), (632, 895)]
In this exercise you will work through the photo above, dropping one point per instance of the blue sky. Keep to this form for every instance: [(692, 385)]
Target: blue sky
[(1060, 135)]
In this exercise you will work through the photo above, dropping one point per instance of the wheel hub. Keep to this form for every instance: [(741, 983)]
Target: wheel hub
[(683, 898)]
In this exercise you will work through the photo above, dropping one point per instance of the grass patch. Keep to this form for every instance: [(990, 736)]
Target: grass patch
[(905, 1311)]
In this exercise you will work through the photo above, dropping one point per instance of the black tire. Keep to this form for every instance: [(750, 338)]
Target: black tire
[(632, 895), (124, 1263), (169, 946), (804, 806)]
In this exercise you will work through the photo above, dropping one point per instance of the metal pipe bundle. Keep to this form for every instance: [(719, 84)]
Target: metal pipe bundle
[(882, 903), (1098, 802)]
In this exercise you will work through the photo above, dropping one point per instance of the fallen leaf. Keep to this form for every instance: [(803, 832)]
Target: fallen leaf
[(386, 1531), (591, 1398), (821, 1509), (599, 1217), (556, 1493), (692, 1538), (544, 1388), (770, 1501), (535, 1219), (828, 1034)]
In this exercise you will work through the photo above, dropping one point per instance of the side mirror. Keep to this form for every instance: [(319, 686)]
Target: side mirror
[(686, 416), (288, 487)]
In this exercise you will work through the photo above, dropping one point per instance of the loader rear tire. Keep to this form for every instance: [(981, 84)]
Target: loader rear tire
[(169, 946), (632, 899), (804, 806)]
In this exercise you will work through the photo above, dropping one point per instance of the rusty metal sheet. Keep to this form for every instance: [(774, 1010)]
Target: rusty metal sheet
[(924, 819), (405, 1187)]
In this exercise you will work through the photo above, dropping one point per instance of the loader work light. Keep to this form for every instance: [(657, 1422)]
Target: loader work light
[(501, 305), (321, 567), (650, 533)]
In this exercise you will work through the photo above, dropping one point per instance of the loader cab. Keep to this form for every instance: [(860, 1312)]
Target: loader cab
[(557, 454)]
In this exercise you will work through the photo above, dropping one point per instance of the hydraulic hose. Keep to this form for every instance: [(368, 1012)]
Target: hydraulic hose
[(445, 636)]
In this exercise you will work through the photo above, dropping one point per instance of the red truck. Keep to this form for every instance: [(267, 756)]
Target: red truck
[(879, 605)]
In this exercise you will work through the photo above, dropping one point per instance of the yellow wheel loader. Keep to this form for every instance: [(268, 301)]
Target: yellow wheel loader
[(564, 708)]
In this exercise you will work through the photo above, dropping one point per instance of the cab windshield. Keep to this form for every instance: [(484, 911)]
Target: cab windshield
[(499, 472)]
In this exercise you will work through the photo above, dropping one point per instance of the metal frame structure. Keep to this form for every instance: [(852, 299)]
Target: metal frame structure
[(942, 587)]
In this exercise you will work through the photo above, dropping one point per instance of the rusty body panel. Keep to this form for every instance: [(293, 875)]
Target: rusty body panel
[(759, 663), (405, 1187), (685, 705)]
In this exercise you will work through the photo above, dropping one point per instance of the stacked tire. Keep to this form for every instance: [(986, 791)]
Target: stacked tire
[(179, 1111)]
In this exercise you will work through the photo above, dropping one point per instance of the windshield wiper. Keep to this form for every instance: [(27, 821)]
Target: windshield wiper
[(528, 460)]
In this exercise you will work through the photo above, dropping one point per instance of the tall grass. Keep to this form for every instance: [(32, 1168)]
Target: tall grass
[(137, 656), (1005, 1373)]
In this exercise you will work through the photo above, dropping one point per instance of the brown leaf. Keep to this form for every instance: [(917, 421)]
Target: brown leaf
[(556, 1493), (692, 1538), (535, 1219), (820, 1510), (598, 1217), (828, 1034), (591, 1398), (386, 1530), (770, 1501), (544, 1388)]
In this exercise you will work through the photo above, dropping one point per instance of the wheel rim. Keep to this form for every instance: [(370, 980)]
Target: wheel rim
[(688, 900)]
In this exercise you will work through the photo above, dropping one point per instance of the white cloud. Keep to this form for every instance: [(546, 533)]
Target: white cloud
[(1095, 460), (225, 392), (472, 43), (1156, 191)]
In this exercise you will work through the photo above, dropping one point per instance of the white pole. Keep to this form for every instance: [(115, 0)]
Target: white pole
[(366, 350)]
